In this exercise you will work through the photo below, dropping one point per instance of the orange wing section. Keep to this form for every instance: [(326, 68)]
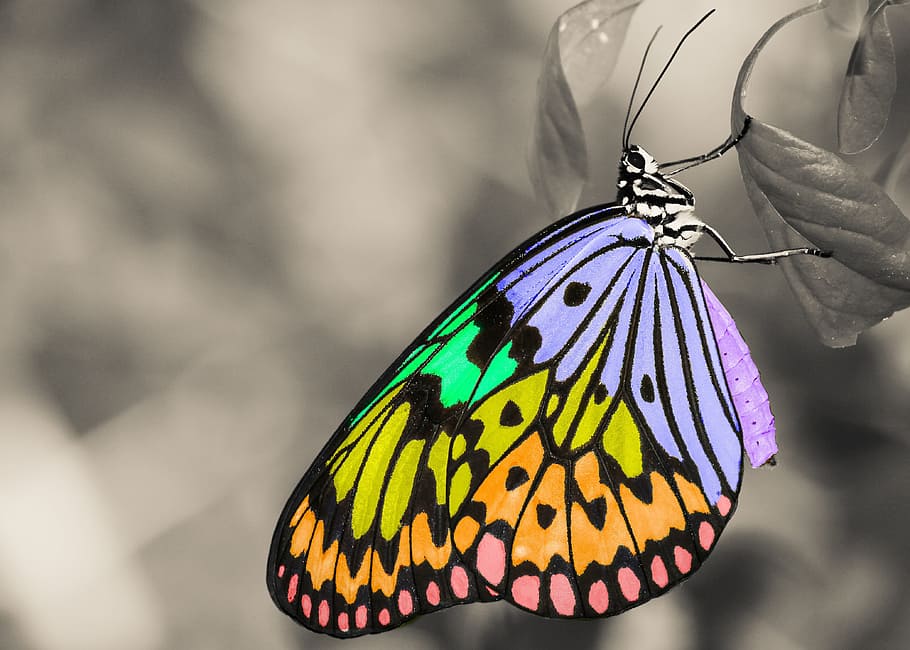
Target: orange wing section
[(542, 532), (599, 530)]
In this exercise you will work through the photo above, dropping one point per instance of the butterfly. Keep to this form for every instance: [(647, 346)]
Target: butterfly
[(567, 436)]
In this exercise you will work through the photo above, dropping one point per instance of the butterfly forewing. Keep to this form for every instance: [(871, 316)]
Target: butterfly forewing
[(562, 437)]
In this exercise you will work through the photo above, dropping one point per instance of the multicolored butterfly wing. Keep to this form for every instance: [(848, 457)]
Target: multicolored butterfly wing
[(562, 437), (368, 546), (603, 474), (364, 542)]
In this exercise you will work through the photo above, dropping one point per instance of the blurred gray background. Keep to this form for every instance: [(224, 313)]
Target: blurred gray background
[(221, 220)]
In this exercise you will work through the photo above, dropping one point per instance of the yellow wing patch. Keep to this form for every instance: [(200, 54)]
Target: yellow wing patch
[(581, 400), (622, 441), (372, 475), (506, 414)]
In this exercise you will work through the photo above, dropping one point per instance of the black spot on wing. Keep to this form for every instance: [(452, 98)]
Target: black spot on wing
[(545, 515), (494, 322), (511, 415), (525, 343), (576, 293), (517, 477), (596, 511), (647, 388)]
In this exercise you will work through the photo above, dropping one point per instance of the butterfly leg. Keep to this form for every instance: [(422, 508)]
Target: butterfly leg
[(759, 258), (716, 152)]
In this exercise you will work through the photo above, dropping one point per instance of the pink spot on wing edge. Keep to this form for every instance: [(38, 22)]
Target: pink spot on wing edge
[(526, 592), (629, 584), (491, 559), (723, 505), (433, 593), (292, 587), (405, 602), (459, 582), (360, 617), (281, 571), (683, 559), (705, 535), (659, 572), (562, 595), (599, 597), (324, 613), (306, 605), (343, 623), (384, 617)]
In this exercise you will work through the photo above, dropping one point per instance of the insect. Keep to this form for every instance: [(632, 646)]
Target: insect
[(567, 436)]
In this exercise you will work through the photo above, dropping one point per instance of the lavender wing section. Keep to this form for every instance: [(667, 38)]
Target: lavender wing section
[(596, 259), (708, 406), (749, 396), (576, 348), (646, 371)]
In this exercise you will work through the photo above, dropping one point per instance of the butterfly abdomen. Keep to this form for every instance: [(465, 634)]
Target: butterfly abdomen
[(749, 396)]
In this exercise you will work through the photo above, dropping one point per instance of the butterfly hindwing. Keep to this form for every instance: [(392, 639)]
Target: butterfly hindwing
[(614, 458), (561, 437)]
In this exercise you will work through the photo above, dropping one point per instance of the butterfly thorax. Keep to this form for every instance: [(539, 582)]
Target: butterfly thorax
[(647, 194)]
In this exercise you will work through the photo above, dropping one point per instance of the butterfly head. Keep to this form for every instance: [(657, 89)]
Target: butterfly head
[(648, 194)]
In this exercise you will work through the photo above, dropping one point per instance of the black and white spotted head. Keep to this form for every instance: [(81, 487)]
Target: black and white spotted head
[(646, 192)]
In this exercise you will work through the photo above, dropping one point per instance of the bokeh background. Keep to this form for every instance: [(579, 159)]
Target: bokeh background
[(221, 220)]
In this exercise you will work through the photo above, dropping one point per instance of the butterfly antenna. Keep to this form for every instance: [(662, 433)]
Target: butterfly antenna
[(666, 67), (641, 68)]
